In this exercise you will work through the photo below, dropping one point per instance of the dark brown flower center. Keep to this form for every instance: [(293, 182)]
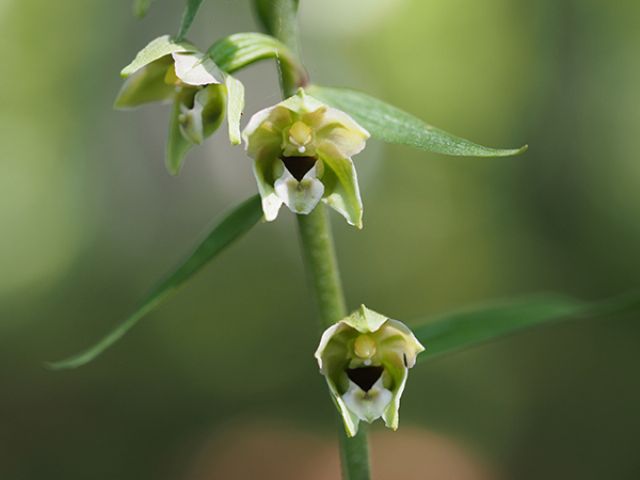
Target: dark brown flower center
[(298, 166), (365, 377)]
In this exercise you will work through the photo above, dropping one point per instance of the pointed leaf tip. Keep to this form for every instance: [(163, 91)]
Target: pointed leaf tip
[(392, 125), (230, 228), (188, 17)]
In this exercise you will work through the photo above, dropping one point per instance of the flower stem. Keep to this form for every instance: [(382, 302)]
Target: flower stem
[(354, 453), (322, 269), (279, 18), (322, 266)]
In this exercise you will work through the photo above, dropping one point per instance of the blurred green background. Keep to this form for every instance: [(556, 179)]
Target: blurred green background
[(220, 382)]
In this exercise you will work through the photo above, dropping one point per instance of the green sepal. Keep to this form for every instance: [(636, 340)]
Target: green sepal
[(146, 85), (177, 144), (156, 49), (263, 170), (342, 192), (235, 107), (390, 124), (228, 229), (365, 320)]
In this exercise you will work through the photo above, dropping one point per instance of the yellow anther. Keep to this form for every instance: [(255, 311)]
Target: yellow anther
[(300, 134), (364, 346)]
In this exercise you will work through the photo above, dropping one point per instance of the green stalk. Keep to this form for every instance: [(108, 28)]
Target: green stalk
[(319, 254), (279, 19), (322, 266), (354, 453)]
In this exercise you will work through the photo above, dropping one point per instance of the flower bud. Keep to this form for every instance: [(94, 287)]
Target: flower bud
[(302, 151), (365, 359)]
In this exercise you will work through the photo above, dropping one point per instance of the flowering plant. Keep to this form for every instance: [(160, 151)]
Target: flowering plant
[(302, 151)]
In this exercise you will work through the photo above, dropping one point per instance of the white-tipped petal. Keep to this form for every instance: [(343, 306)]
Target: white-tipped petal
[(300, 196), (271, 204), (367, 406), (195, 68)]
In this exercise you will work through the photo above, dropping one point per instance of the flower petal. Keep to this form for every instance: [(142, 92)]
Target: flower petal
[(146, 85), (263, 171), (410, 347), (190, 119), (370, 405), (204, 116), (265, 129), (235, 106), (156, 49), (350, 419), (195, 68), (348, 140), (327, 335), (340, 179), (300, 196), (391, 414), (177, 144)]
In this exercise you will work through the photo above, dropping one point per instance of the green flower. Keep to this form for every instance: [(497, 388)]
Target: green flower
[(365, 359), (169, 71), (302, 150)]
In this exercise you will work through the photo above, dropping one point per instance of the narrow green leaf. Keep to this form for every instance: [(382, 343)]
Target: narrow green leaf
[(466, 328), (230, 227), (188, 16), (141, 7), (390, 124), (235, 106)]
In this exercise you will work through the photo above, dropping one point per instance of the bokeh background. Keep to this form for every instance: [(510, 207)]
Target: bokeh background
[(220, 382)]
